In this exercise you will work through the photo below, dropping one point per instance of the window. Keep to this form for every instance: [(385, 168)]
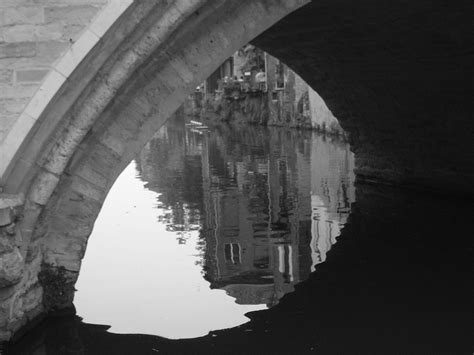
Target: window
[(232, 252), (279, 76)]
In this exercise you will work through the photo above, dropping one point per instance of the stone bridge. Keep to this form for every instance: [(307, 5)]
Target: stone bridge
[(85, 83)]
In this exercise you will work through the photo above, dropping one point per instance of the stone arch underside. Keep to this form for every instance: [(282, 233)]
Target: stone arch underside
[(398, 77), (397, 80)]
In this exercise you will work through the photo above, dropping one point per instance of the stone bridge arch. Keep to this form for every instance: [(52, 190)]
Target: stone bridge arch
[(134, 78), (390, 75)]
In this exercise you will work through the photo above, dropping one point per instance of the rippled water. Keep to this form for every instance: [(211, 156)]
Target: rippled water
[(205, 226)]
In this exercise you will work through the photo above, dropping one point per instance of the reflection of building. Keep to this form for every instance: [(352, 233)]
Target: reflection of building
[(270, 202), (170, 165), (332, 192), (259, 241), (255, 245)]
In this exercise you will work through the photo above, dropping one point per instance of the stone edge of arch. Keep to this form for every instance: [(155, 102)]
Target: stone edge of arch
[(61, 69)]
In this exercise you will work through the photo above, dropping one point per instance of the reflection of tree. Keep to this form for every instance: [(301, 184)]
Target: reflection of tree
[(171, 165)]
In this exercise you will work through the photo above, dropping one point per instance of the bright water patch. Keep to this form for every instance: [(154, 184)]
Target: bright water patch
[(137, 278)]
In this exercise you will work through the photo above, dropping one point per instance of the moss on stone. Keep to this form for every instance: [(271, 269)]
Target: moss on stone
[(58, 289)]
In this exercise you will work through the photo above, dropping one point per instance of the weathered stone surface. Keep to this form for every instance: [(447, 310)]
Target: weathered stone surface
[(17, 91), (23, 15), (33, 42), (31, 75), (6, 76), (58, 287), (71, 33), (8, 203), (19, 33), (11, 200), (17, 50), (6, 217), (49, 32), (6, 244), (12, 106), (42, 189), (72, 15), (11, 268)]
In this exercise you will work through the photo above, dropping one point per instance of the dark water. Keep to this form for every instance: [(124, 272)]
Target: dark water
[(206, 226)]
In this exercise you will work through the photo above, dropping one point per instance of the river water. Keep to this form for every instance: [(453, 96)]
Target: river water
[(207, 225), (252, 240)]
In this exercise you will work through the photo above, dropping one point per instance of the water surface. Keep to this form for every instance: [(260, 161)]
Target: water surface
[(199, 232), (206, 226)]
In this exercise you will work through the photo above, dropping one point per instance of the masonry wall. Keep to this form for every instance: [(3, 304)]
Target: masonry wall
[(33, 35)]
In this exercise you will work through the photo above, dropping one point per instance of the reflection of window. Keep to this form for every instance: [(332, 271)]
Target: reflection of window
[(261, 263), (285, 262), (261, 258), (279, 76), (232, 252), (274, 96)]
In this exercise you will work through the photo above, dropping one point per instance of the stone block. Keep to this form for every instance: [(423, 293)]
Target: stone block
[(74, 2), (88, 189), (30, 216), (72, 33), (6, 76), (12, 106), (87, 173), (6, 217), (11, 268), (117, 143), (19, 33), (72, 15), (20, 15), (17, 91), (17, 50), (6, 245), (43, 188), (48, 32), (11, 200), (12, 3), (49, 51), (32, 298), (30, 75)]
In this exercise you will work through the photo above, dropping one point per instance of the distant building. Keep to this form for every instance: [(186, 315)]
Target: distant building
[(282, 98)]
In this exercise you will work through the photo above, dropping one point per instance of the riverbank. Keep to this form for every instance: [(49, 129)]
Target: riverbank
[(258, 109)]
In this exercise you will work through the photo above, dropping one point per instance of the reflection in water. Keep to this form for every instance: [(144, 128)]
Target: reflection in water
[(392, 284), (269, 202), (253, 210)]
